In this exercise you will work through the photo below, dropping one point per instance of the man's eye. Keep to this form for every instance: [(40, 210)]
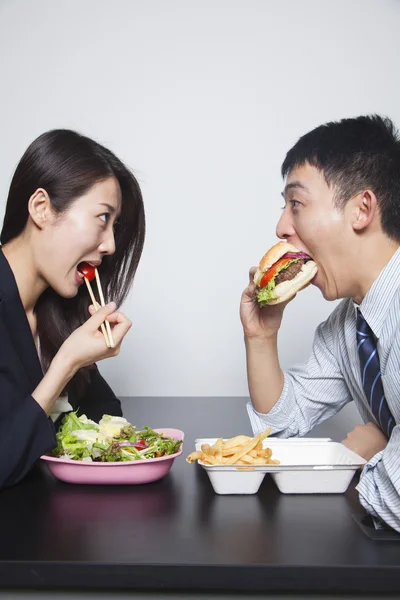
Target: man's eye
[(293, 203)]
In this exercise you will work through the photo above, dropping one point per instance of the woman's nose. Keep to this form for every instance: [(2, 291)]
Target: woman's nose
[(107, 246)]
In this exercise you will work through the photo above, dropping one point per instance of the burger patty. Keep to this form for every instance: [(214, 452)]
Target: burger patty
[(290, 272)]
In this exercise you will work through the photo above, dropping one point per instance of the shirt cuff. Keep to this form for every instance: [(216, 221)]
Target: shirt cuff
[(364, 485)]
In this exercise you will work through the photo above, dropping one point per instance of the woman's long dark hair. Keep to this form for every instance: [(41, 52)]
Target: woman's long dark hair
[(67, 164)]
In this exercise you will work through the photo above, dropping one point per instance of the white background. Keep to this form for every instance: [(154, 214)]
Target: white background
[(202, 99)]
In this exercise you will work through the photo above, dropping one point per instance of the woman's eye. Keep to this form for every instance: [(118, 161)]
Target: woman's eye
[(104, 217)]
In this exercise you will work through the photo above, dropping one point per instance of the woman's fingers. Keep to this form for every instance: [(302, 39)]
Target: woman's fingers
[(117, 319), (98, 317), (120, 326), (111, 308), (114, 317)]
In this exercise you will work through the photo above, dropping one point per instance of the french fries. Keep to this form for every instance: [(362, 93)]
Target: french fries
[(239, 450)]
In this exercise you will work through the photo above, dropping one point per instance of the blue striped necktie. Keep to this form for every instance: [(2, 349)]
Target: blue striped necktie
[(371, 375)]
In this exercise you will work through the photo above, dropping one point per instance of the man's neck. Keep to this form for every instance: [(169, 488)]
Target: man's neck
[(370, 264)]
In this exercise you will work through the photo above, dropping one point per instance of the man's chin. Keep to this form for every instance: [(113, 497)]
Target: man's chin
[(325, 293)]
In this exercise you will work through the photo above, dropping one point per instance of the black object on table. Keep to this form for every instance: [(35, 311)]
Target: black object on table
[(177, 534)]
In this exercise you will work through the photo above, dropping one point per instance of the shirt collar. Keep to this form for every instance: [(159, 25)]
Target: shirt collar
[(378, 299)]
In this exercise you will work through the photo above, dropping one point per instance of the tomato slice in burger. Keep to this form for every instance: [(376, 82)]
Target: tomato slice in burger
[(270, 274)]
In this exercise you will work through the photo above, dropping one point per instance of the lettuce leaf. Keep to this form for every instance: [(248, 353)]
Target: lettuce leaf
[(70, 440)]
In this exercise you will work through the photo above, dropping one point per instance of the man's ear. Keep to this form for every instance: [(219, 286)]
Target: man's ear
[(364, 209), (39, 208)]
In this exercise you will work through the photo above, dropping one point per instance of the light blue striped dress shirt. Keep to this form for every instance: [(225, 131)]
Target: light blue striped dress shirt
[(331, 378)]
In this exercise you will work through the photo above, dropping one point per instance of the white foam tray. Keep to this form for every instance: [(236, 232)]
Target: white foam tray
[(307, 466)]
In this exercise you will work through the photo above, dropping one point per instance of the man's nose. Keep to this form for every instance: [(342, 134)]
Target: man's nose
[(285, 228)]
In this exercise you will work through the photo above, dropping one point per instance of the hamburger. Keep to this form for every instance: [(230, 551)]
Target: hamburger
[(283, 271)]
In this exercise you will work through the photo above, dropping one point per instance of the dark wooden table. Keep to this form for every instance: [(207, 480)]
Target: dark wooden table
[(177, 534)]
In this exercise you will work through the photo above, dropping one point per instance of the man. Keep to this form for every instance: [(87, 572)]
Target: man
[(342, 207)]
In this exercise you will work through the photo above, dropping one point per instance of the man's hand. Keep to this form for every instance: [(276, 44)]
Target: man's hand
[(261, 323), (366, 440)]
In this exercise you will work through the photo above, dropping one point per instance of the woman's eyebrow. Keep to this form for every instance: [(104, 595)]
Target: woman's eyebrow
[(111, 208)]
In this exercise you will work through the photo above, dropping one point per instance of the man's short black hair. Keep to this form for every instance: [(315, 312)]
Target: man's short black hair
[(355, 155)]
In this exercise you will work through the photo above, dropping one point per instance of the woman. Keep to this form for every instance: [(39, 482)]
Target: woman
[(71, 200)]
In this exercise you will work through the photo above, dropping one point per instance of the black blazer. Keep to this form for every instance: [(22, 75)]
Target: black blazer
[(26, 432)]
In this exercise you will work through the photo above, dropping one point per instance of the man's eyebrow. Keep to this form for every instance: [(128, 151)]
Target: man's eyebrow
[(294, 185)]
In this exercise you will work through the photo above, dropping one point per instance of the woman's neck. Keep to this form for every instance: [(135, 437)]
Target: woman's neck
[(31, 285)]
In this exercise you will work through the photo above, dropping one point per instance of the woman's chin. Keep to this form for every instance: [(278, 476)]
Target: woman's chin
[(69, 292)]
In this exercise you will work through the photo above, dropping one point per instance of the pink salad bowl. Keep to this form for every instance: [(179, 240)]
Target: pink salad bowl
[(115, 473)]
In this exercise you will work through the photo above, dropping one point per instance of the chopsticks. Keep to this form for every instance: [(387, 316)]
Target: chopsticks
[(100, 290), (106, 330)]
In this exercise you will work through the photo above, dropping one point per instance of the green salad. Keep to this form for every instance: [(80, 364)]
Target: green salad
[(112, 439)]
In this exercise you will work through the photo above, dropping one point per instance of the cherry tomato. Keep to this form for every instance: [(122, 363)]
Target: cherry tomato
[(140, 444), (266, 278), (87, 271)]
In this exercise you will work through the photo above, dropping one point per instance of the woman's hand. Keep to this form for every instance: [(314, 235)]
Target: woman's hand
[(259, 322), (86, 345)]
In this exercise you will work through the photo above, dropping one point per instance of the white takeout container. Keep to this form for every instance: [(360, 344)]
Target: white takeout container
[(307, 466)]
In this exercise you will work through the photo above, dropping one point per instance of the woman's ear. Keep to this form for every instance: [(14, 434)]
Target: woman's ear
[(365, 207), (39, 207)]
